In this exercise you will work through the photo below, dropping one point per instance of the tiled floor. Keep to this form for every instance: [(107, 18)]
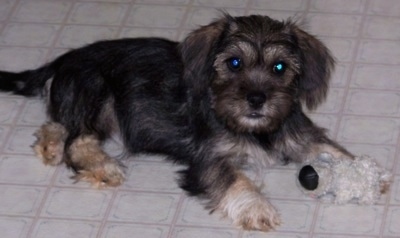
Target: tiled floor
[(363, 113)]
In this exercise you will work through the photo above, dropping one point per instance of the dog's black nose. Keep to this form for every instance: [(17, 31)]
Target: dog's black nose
[(308, 177), (256, 99)]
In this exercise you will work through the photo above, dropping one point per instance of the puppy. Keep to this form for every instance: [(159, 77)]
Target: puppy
[(232, 91)]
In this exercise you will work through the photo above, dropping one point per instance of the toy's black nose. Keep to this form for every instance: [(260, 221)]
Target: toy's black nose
[(308, 177)]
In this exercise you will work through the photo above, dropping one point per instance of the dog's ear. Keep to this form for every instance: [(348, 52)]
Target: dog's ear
[(317, 65), (198, 53)]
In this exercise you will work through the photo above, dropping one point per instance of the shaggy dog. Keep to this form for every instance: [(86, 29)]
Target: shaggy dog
[(232, 91)]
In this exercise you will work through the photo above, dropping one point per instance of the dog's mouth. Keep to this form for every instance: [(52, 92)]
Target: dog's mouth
[(255, 115)]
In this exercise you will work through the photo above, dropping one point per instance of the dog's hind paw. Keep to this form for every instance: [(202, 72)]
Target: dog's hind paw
[(108, 175), (49, 145)]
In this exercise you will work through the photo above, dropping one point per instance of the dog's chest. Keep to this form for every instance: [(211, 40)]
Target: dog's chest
[(243, 149)]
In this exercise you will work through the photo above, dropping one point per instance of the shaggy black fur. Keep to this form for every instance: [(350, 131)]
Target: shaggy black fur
[(187, 101), (139, 78)]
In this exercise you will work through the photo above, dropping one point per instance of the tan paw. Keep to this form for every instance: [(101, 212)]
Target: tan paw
[(260, 215), (244, 204), (109, 175), (252, 211), (49, 145), (50, 152)]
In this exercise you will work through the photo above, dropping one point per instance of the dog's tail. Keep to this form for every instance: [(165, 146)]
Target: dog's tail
[(26, 83)]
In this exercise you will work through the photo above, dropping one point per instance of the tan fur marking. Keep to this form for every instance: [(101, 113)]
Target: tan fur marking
[(247, 207), (97, 167), (49, 145)]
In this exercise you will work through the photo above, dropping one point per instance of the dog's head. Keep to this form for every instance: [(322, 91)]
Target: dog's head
[(251, 71)]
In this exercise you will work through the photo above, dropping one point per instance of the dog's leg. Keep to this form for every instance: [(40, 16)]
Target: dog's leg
[(247, 207), (302, 141), (49, 145), (332, 148), (92, 164), (232, 194)]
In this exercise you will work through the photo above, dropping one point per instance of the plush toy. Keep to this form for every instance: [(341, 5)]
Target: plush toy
[(361, 180)]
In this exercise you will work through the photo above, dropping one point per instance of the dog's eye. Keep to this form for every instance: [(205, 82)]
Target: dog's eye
[(279, 67), (234, 63)]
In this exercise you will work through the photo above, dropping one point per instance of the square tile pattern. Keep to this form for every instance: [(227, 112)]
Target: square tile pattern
[(362, 112)]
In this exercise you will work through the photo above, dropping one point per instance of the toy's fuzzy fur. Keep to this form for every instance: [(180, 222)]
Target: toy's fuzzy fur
[(185, 101), (360, 180)]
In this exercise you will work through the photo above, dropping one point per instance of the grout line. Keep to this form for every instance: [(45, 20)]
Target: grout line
[(8, 17), (58, 34), (104, 219), (176, 215), (247, 7), (13, 125), (43, 201), (182, 26), (318, 203), (125, 19), (353, 61)]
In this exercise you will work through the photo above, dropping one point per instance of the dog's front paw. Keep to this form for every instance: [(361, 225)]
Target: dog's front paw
[(255, 212), (108, 175), (248, 208)]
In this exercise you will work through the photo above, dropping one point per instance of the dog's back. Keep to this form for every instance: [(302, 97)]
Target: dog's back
[(108, 58), (106, 85)]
